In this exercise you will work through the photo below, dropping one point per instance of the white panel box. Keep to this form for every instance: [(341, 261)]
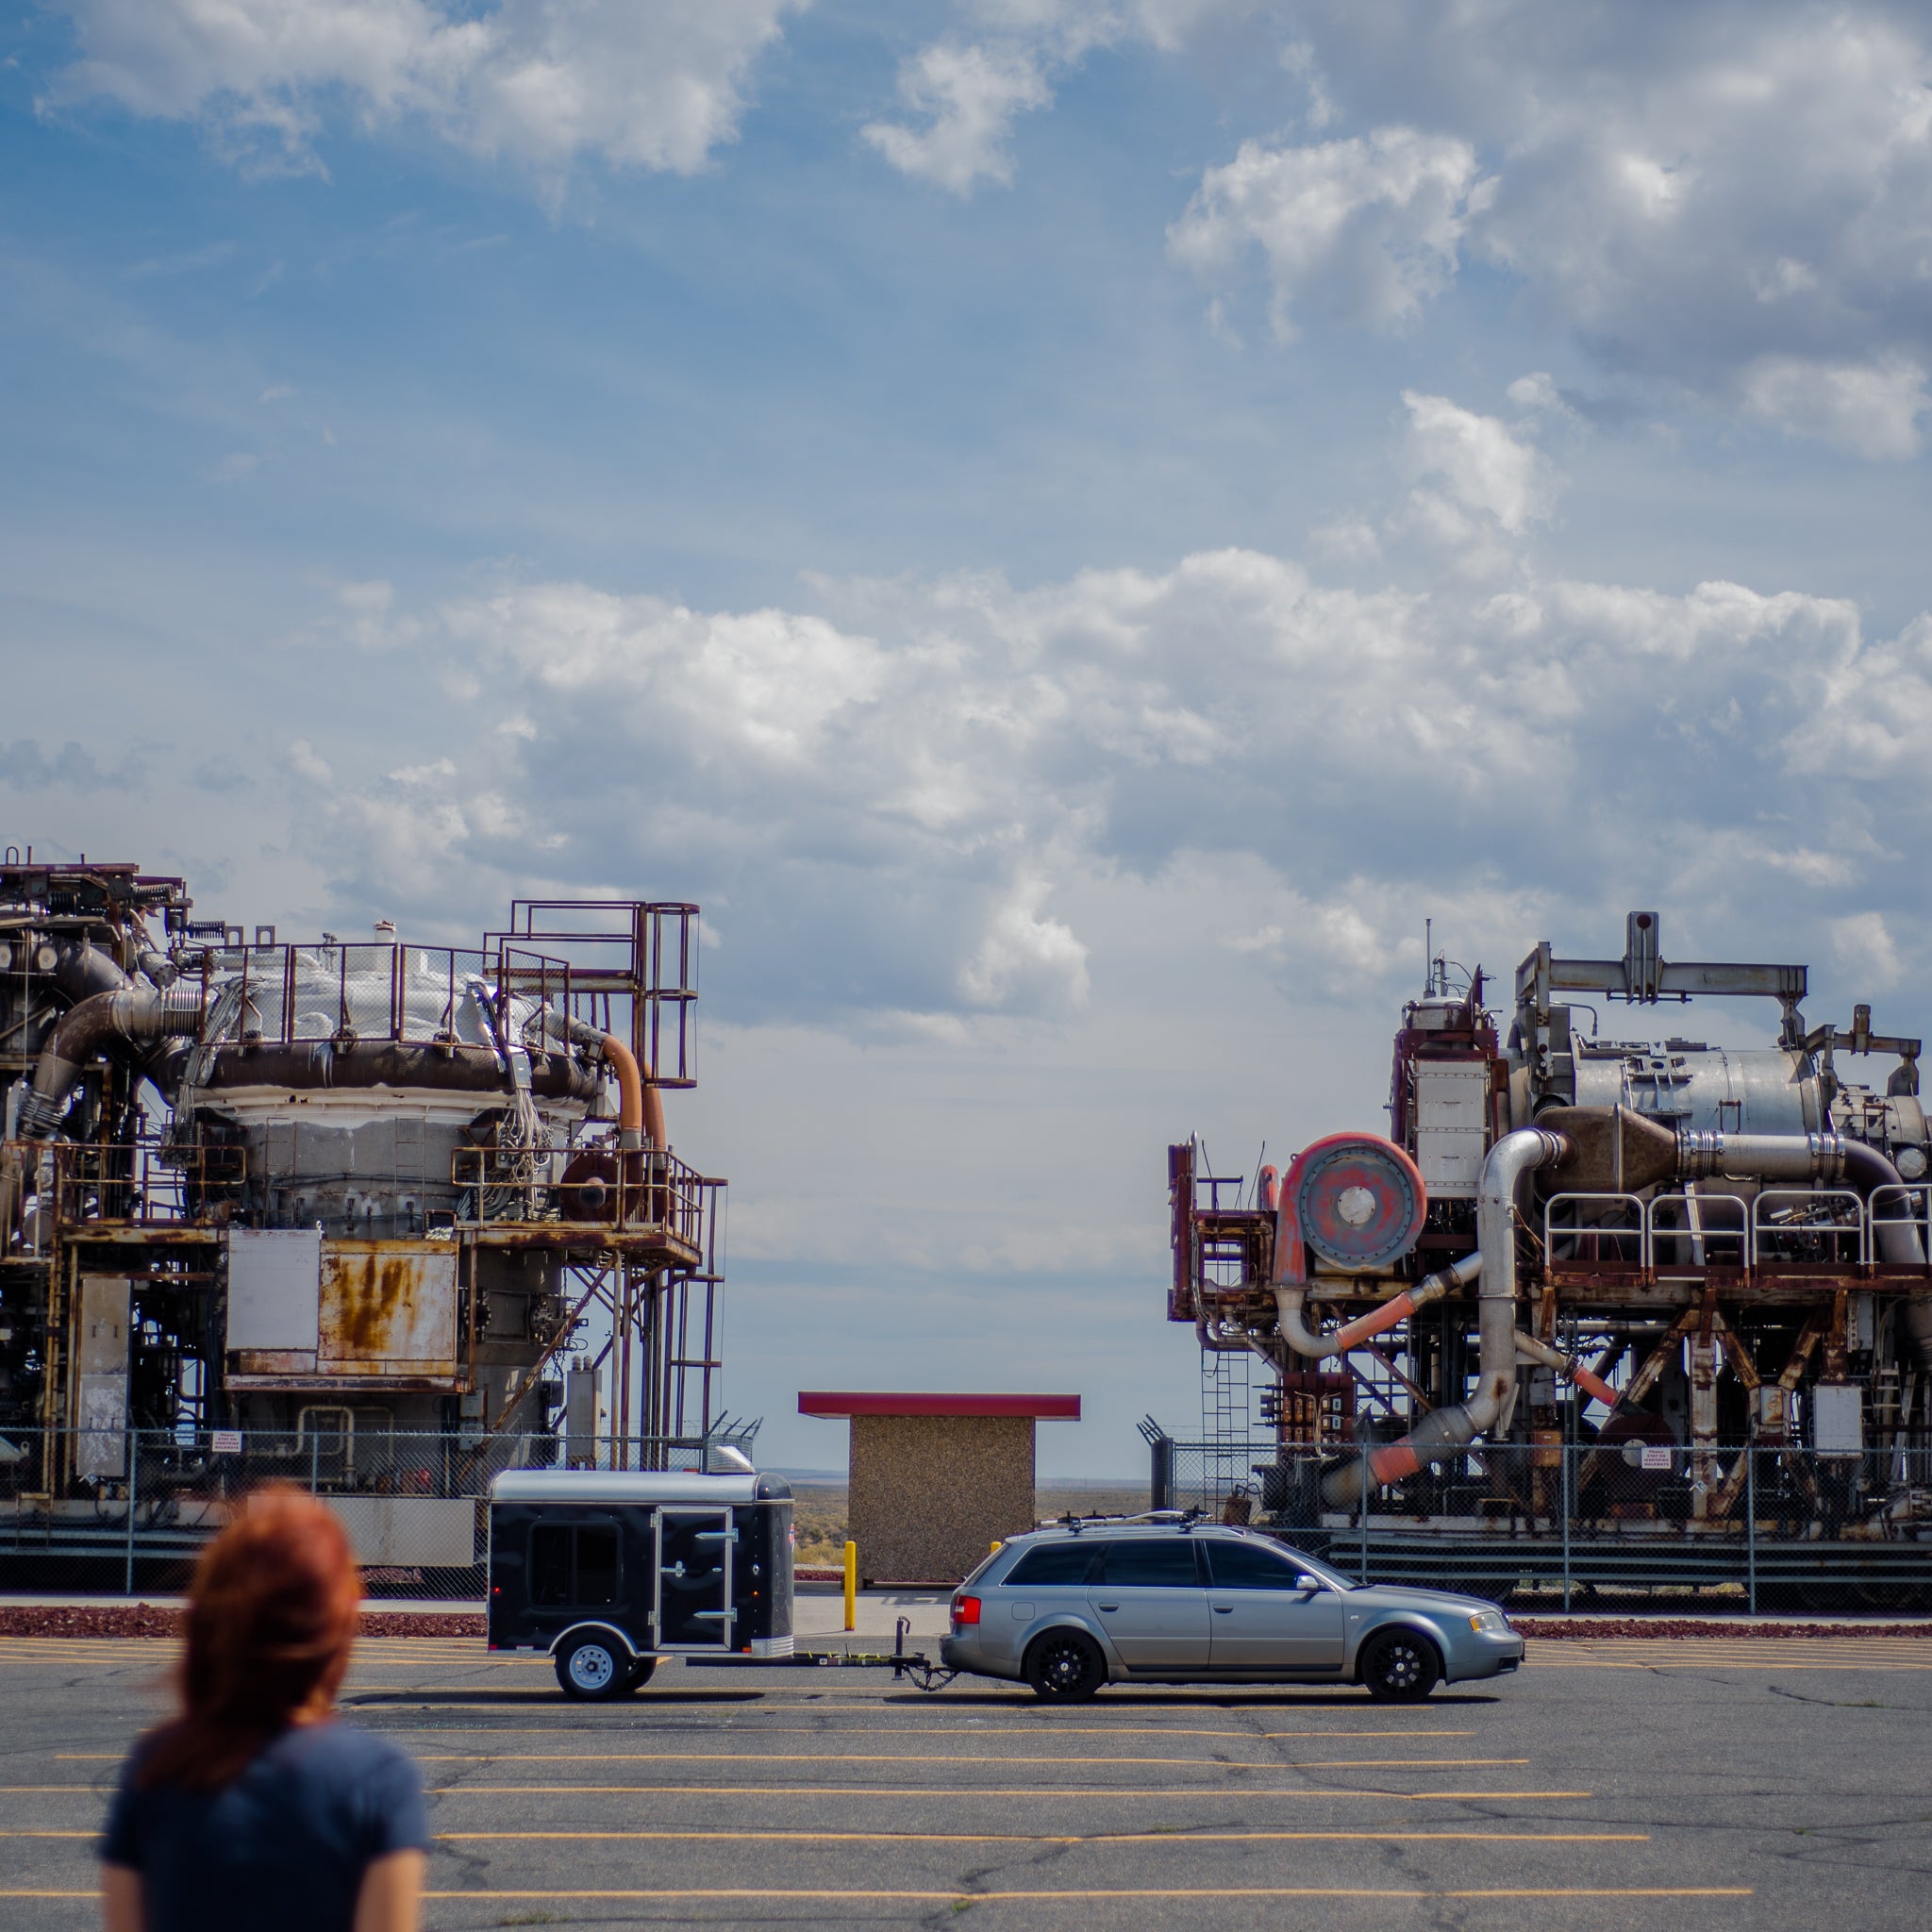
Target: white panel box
[(275, 1289), (1838, 1418), (1452, 1107)]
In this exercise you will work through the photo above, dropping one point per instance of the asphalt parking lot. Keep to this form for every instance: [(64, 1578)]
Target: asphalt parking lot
[(1612, 1784)]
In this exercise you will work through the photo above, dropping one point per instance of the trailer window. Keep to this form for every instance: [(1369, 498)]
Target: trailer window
[(573, 1564), (596, 1565), (550, 1564)]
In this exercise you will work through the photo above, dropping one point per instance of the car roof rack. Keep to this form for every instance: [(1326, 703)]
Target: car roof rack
[(1184, 1519)]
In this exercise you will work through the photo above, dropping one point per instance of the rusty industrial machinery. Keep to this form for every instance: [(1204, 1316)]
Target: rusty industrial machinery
[(1656, 1291), (302, 1202)]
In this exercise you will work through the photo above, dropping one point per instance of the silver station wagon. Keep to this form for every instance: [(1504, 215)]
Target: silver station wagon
[(1069, 1607)]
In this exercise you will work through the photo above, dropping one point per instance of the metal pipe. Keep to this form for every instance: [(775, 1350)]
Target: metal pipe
[(1760, 1156), (639, 1104), (1443, 1431), (129, 1013), (1531, 1349), (1290, 1301)]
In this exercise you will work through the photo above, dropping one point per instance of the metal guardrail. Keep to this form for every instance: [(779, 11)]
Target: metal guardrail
[(1685, 1232), (413, 1501), (1766, 1527), (587, 1186)]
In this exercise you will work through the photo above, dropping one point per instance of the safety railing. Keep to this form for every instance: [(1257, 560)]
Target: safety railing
[(587, 1187), (1590, 1230), (142, 1183), (115, 1510), (1892, 1209), (1640, 1519), (1794, 1227), (1685, 1232), (351, 993), (1692, 1231)]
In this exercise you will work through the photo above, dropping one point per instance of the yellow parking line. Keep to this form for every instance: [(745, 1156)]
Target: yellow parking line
[(956, 1729), (1219, 1795), (911, 1757), (1090, 1896), (1095, 1894), (1049, 1837)]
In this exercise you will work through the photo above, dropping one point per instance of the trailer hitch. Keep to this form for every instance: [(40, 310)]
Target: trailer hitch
[(919, 1667)]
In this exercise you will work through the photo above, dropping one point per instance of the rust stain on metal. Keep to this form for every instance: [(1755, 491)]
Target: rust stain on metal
[(387, 1306)]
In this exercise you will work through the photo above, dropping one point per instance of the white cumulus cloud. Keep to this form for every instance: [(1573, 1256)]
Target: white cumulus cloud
[(967, 98), (1871, 408), (541, 82), (1367, 229)]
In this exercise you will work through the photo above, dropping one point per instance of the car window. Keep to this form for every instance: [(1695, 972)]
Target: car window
[(1054, 1563), (1161, 1563), (1248, 1566)]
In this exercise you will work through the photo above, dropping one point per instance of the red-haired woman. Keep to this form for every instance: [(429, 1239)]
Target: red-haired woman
[(254, 1807)]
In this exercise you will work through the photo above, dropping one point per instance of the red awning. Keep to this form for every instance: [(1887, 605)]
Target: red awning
[(848, 1402)]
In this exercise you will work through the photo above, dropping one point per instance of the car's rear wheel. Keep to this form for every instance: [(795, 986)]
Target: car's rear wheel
[(1399, 1667), (591, 1670), (1065, 1666)]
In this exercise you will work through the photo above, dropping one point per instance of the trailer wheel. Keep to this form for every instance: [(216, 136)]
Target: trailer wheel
[(640, 1674), (591, 1670), (1399, 1667), (1065, 1666)]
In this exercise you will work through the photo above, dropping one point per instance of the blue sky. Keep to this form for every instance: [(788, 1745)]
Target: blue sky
[(1071, 525)]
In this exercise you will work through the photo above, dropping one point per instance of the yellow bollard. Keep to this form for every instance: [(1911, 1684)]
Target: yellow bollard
[(851, 1586), (995, 1550)]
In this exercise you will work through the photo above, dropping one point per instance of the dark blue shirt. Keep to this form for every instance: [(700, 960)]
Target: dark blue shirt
[(286, 1844)]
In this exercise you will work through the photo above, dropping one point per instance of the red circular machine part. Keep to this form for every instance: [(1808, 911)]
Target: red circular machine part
[(1358, 1201)]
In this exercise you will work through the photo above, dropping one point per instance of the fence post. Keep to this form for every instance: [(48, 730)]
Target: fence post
[(315, 1462), (1751, 1526), (1569, 1450), (133, 1492), (1162, 1485), (1365, 1516)]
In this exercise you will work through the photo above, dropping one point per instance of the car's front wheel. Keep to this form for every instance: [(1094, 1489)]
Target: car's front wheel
[(591, 1670), (1399, 1667), (1065, 1666)]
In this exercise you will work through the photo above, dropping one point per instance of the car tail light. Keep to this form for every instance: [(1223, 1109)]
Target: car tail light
[(965, 1610)]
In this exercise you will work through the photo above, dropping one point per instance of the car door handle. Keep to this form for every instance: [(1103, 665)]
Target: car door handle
[(1109, 1606), (1224, 1609)]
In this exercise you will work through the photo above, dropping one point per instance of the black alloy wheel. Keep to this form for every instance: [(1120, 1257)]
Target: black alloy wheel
[(1399, 1667), (592, 1669), (1065, 1666)]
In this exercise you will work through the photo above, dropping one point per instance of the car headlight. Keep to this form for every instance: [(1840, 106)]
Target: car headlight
[(1491, 1621)]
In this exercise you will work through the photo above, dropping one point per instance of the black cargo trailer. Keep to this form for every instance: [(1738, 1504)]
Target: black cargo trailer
[(609, 1569)]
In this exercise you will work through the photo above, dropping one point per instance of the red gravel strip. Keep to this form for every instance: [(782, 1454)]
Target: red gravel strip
[(147, 1620), (1559, 1627)]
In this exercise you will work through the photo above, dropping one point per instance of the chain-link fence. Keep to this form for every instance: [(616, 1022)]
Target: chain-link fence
[(1592, 1525), (123, 1511)]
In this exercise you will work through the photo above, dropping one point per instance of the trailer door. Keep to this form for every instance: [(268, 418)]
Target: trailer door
[(694, 1579)]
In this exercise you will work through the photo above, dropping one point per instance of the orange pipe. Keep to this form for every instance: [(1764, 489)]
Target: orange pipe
[(639, 1106), (1374, 1323)]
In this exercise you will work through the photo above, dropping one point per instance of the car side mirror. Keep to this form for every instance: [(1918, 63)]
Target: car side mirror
[(1305, 1581)]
